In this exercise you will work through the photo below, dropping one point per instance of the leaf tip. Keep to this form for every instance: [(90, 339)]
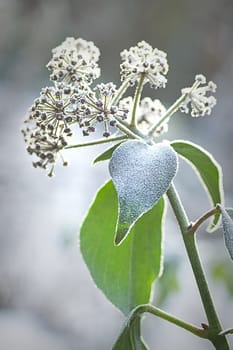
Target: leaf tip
[(120, 235)]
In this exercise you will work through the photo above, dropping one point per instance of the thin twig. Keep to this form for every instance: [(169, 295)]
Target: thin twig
[(97, 142), (194, 226), (200, 332)]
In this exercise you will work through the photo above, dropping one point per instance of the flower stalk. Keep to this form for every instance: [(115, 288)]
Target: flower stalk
[(120, 92), (137, 96), (167, 115), (98, 142)]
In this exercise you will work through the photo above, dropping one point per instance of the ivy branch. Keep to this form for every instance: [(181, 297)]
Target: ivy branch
[(71, 102)]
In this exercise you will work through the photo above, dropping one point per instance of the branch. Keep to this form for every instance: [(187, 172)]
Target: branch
[(226, 331), (200, 332), (192, 228), (97, 142)]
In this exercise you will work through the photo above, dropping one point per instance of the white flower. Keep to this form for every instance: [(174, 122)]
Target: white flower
[(44, 146), (75, 62), (98, 107), (143, 59), (53, 110), (197, 100), (86, 48), (149, 113)]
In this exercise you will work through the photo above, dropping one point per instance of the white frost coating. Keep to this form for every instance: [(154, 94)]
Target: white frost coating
[(141, 174), (227, 223)]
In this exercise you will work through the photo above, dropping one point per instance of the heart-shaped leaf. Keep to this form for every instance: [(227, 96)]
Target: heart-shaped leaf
[(227, 223), (141, 174)]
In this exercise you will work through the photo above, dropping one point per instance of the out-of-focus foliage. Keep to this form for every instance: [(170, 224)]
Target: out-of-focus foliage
[(168, 283), (227, 225), (221, 272)]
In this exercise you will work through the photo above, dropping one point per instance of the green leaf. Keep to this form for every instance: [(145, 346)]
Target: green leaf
[(227, 223), (106, 154), (222, 272), (141, 174), (124, 273), (208, 170), (130, 337)]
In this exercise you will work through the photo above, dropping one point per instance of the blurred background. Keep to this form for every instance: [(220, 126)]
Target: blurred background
[(47, 298)]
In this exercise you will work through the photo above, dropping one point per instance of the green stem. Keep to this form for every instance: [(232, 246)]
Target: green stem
[(171, 110), (97, 142), (168, 114), (135, 334), (131, 132), (214, 328), (137, 96), (200, 332), (120, 91)]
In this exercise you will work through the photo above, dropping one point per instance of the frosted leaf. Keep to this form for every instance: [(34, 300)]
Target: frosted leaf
[(227, 223), (141, 174)]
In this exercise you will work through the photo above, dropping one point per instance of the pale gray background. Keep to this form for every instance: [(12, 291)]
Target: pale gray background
[(47, 298)]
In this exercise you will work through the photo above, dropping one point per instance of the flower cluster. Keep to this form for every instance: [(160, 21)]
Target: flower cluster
[(71, 101), (144, 60), (53, 110), (75, 60), (196, 99), (44, 145), (99, 107), (149, 113), (152, 112)]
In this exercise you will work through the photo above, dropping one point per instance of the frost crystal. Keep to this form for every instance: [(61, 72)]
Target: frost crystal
[(143, 59), (197, 100), (99, 108), (75, 62)]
